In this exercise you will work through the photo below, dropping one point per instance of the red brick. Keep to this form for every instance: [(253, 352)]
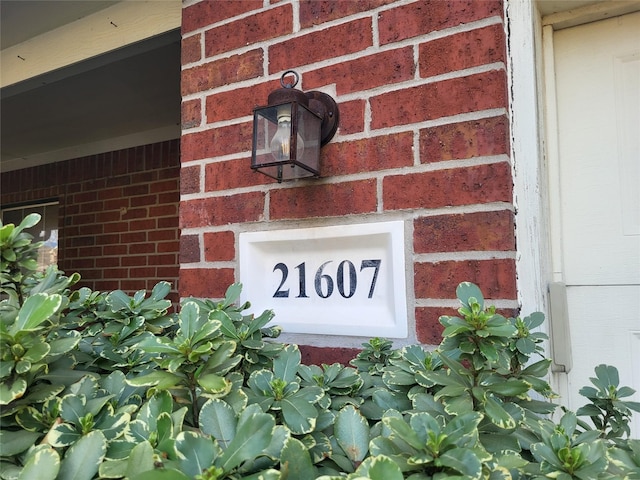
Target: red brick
[(144, 177), (314, 12), (367, 155), (428, 328), (90, 252), (191, 49), (342, 39), (134, 260), (133, 285), (327, 355), (135, 190), (366, 72), (144, 201), (90, 229), (208, 12), (135, 237), (105, 217), (166, 247), (83, 219), (440, 99), (496, 278), (116, 203), (189, 249), (114, 250), (91, 184), (142, 225), (422, 17), (191, 115), (475, 138), (108, 239), (142, 273), (104, 262), (222, 72), (481, 231), (84, 197), (84, 264), (171, 172), (70, 210), (245, 207), (261, 26), (106, 285), (205, 283), (168, 272), (168, 197), (89, 274), (217, 142), (132, 213), (219, 246), (70, 232), (117, 227), (239, 102), (120, 165), (443, 188), (322, 200), (231, 174), (118, 181), (164, 210), (139, 248), (463, 50), (351, 117), (160, 235), (163, 259), (170, 222), (190, 179), (165, 186), (115, 272)]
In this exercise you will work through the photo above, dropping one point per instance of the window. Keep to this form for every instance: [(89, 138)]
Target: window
[(45, 231)]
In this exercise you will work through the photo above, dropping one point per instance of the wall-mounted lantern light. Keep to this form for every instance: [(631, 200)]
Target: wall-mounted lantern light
[(289, 131)]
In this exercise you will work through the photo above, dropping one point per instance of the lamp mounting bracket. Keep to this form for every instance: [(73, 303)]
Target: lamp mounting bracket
[(326, 108)]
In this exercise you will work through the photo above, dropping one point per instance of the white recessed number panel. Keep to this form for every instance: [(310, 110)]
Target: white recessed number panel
[(338, 280)]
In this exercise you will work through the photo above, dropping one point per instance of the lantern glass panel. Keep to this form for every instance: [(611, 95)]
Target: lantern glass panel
[(286, 141)]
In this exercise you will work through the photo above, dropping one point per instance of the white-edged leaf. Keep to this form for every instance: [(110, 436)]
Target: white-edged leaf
[(83, 458), (352, 433), (218, 419), (43, 463), (35, 310)]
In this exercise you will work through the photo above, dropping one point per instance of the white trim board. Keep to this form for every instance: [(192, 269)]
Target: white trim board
[(122, 24)]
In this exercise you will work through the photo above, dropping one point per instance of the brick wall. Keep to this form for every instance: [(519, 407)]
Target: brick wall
[(423, 137), (118, 214)]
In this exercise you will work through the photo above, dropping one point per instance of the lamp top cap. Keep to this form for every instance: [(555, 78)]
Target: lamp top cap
[(288, 92)]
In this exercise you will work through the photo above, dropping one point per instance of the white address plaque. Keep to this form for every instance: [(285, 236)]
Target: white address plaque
[(338, 280)]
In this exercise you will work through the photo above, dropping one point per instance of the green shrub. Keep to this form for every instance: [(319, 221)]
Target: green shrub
[(104, 385)]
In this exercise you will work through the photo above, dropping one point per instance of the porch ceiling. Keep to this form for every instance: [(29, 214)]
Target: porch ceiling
[(128, 96)]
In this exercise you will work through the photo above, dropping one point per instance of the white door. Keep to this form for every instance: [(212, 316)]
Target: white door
[(597, 68)]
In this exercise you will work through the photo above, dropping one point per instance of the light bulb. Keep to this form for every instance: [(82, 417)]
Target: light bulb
[(280, 143)]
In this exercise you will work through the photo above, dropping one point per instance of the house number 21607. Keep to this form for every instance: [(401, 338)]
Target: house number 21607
[(345, 282)]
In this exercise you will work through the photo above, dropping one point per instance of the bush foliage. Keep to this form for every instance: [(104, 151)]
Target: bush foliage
[(106, 385)]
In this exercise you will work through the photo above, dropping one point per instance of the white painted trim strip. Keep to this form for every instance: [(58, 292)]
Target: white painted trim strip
[(122, 24)]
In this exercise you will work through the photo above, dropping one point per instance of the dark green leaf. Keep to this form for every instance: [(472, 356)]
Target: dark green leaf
[(196, 453), (42, 463), (82, 459), (295, 460), (285, 365), (218, 419), (351, 430), (35, 310), (253, 436), (466, 291), (464, 461)]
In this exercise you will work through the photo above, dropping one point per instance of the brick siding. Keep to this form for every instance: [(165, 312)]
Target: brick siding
[(118, 212), (423, 136)]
